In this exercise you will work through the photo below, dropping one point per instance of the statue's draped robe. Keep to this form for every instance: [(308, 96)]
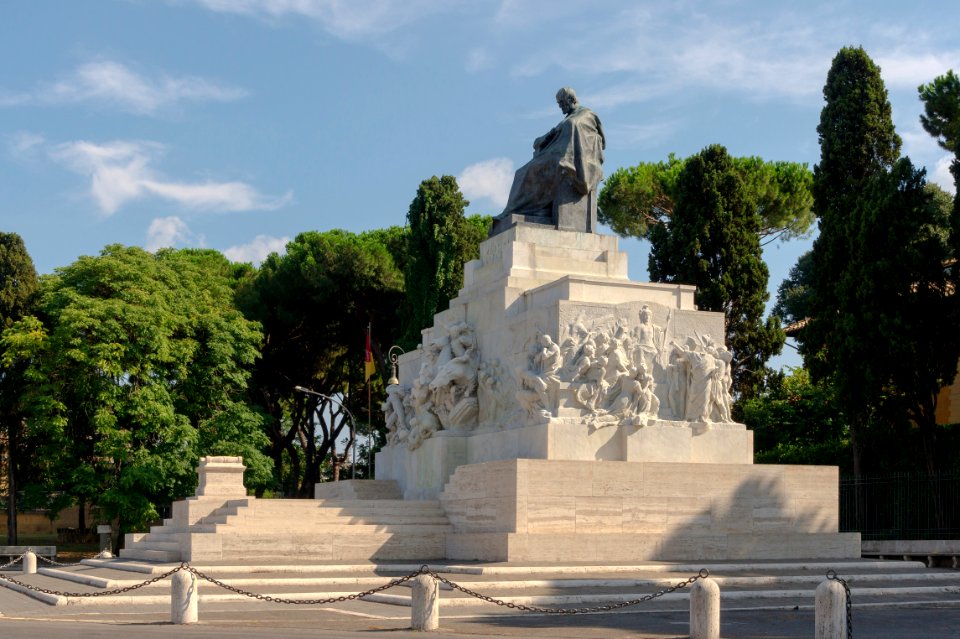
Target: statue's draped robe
[(572, 151)]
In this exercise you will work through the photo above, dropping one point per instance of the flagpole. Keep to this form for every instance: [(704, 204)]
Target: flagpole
[(369, 414)]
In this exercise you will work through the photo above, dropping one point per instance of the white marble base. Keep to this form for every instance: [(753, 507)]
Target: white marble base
[(552, 510), (423, 473)]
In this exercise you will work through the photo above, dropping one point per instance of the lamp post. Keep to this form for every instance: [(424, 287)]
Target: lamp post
[(394, 380), (353, 424)]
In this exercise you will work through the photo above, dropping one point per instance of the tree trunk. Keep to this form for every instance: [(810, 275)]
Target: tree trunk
[(11, 489)]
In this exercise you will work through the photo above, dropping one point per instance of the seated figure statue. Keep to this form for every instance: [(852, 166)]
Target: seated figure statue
[(558, 186)]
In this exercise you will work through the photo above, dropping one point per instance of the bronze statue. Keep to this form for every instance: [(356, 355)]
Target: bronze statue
[(558, 186)]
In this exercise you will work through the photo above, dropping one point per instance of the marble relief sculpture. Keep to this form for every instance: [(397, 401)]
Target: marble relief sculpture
[(613, 373)]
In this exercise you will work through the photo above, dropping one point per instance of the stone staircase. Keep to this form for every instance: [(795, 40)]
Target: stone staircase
[(372, 523)]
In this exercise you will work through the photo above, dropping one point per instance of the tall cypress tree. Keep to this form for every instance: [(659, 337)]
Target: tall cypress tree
[(440, 241), (712, 242), (857, 143)]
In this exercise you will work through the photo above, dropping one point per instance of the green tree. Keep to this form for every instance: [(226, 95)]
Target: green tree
[(712, 241), (905, 302), (793, 294), (941, 115), (440, 242), (795, 421), (18, 296), (857, 142), (137, 365), (314, 303), (635, 199)]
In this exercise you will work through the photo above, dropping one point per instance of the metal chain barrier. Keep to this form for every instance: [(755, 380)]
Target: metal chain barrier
[(53, 562), (832, 575), (99, 593), (253, 595), (13, 562), (703, 574), (424, 570)]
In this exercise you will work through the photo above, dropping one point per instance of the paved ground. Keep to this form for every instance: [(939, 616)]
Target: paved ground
[(875, 623), (890, 616)]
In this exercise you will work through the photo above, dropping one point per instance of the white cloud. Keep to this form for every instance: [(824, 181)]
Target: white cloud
[(346, 19), (257, 250), (942, 176), (911, 69), (166, 232), (24, 144), (114, 84), (490, 179), (120, 171)]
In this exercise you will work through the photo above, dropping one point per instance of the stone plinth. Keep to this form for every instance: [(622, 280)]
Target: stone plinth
[(553, 510), (220, 479)]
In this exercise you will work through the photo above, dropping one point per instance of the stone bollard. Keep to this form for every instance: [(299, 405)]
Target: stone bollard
[(183, 598), (831, 606), (705, 610), (425, 603), (29, 563)]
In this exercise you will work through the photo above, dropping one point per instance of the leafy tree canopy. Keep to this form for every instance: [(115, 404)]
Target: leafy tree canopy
[(314, 303), (138, 366), (634, 199), (941, 110), (713, 242)]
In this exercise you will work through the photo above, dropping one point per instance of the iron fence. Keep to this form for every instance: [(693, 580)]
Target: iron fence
[(901, 505)]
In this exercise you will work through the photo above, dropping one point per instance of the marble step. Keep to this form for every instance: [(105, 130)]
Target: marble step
[(148, 554)]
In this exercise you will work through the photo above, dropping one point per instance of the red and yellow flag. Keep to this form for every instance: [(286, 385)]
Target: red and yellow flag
[(368, 366)]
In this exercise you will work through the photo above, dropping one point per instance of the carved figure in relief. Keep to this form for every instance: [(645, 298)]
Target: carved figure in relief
[(591, 389), (701, 374), (494, 398), (570, 349), (723, 381), (541, 376), (707, 367), (395, 415), (457, 377), (424, 422), (648, 339), (634, 398), (677, 373), (618, 364)]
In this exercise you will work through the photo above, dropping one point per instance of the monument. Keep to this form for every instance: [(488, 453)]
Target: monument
[(557, 411), (557, 406)]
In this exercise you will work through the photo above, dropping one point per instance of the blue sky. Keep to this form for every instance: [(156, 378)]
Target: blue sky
[(236, 124)]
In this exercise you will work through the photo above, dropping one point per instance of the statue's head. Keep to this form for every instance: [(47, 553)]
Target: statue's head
[(567, 99)]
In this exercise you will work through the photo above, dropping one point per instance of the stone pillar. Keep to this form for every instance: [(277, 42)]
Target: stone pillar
[(29, 563), (425, 603), (831, 607), (705, 610), (219, 480), (183, 598), (221, 477)]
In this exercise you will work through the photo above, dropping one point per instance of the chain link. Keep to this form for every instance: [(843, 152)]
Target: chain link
[(253, 595), (99, 593), (13, 561), (832, 575), (703, 574), (53, 562), (424, 570)]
